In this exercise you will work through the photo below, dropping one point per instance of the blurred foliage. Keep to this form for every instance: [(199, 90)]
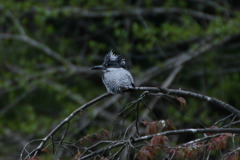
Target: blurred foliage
[(37, 90)]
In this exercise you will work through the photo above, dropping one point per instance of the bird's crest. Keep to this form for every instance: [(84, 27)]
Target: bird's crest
[(113, 60)]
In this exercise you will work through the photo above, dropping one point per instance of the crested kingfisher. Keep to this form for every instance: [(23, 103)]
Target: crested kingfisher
[(115, 76)]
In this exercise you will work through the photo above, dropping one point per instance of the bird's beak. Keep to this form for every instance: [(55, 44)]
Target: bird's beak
[(100, 67)]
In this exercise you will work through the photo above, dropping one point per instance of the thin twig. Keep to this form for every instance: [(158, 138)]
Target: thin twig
[(148, 137), (131, 11), (62, 138), (171, 77), (17, 23), (210, 100), (222, 120), (66, 120), (232, 152), (56, 56), (136, 122), (202, 47)]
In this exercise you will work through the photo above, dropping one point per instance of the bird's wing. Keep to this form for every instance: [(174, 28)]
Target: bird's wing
[(131, 78)]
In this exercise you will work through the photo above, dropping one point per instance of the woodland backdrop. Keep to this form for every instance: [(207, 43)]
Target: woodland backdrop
[(47, 48)]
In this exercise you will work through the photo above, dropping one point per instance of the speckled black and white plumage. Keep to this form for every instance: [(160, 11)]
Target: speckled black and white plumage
[(115, 77)]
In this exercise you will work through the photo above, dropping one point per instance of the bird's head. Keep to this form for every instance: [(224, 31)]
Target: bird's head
[(111, 60)]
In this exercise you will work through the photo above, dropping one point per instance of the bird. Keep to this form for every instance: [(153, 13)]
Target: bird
[(115, 77)]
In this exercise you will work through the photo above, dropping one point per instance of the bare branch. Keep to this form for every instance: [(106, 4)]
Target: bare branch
[(66, 120), (202, 97), (202, 47), (213, 4), (148, 137), (130, 11), (149, 90), (165, 84), (226, 156), (184, 131), (177, 61), (17, 23), (171, 77), (56, 56)]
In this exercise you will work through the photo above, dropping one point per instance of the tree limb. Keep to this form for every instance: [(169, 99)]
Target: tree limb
[(130, 11), (66, 120), (202, 47), (38, 45), (202, 97), (166, 133)]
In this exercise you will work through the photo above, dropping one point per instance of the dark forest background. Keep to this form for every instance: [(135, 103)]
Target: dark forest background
[(47, 48)]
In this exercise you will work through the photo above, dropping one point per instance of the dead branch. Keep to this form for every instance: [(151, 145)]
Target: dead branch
[(156, 90), (178, 61), (167, 133), (61, 124), (202, 47), (56, 56), (179, 92), (130, 11)]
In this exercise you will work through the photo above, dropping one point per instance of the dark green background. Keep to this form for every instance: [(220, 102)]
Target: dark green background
[(47, 47)]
